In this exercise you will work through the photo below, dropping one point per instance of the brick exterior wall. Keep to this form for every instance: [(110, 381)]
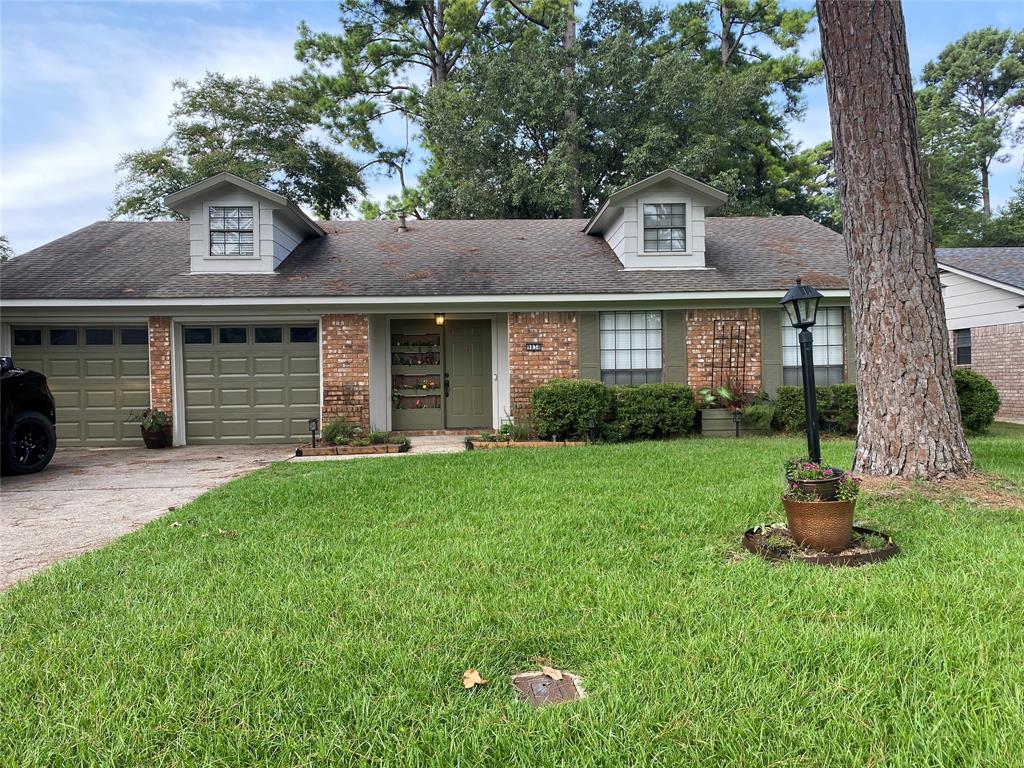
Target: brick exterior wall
[(723, 346), (345, 357), (996, 352), (160, 385), (558, 333)]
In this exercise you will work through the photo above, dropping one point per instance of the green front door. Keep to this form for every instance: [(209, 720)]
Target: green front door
[(467, 354)]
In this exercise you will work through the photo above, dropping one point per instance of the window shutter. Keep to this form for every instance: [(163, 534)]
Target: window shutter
[(674, 346), (590, 346), (771, 351)]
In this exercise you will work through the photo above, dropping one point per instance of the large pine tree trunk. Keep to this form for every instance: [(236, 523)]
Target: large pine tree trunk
[(909, 421)]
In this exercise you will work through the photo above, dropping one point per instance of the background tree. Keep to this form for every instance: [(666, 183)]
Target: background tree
[(909, 423), (645, 99), (951, 158), (6, 251), (257, 131), (982, 75)]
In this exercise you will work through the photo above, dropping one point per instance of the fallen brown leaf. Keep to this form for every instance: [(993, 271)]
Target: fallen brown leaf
[(175, 524), (551, 672), (471, 679)]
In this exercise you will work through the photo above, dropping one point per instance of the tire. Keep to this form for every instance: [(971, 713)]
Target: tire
[(28, 444)]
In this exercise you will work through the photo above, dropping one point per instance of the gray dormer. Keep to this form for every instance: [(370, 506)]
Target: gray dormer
[(658, 223), (236, 226)]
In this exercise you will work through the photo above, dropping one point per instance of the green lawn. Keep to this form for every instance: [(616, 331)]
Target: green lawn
[(323, 613)]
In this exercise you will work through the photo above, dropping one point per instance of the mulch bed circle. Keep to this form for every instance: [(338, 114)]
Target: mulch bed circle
[(774, 542), (540, 690)]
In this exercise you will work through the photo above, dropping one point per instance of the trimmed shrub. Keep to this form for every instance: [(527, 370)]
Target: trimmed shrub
[(844, 401), (340, 431), (649, 411), (759, 416), (978, 398), (564, 407), (789, 409)]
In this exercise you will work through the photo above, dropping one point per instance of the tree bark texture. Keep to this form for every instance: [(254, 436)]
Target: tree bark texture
[(909, 423)]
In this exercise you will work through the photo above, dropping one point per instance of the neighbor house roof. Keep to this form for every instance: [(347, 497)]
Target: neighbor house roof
[(1000, 265), (120, 260)]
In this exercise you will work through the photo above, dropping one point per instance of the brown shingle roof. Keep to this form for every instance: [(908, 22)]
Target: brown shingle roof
[(437, 257)]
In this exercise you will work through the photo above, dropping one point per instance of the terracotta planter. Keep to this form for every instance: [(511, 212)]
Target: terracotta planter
[(823, 489), (822, 525), (154, 438)]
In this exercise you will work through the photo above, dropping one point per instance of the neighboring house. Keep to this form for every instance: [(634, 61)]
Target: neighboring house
[(983, 289), (250, 318)]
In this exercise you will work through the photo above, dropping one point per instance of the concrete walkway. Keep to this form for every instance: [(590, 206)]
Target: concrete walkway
[(89, 497)]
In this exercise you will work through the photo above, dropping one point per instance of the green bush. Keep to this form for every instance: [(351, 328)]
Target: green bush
[(378, 438), (789, 409), (564, 407), (979, 400), (759, 416), (844, 401), (838, 401), (653, 410), (340, 431)]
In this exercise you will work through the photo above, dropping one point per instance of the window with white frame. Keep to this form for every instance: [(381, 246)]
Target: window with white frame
[(630, 347), (664, 227), (231, 230), (829, 354), (963, 346)]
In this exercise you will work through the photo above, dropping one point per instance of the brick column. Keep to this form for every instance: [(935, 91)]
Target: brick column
[(723, 346), (160, 386), (345, 357), (558, 358)]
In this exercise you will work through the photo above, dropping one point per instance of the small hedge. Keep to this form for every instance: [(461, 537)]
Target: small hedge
[(978, 398), (979, 402), (563, 407), (651, 411)]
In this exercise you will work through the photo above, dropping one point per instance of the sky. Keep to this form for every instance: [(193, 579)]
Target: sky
[(82, 83)]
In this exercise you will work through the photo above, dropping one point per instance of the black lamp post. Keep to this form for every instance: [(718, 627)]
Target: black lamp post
[(313, 424), (801, 303)]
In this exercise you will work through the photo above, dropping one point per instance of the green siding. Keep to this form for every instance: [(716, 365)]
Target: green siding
[(590, 345), (674, 345), (771, 350), (851, 350)]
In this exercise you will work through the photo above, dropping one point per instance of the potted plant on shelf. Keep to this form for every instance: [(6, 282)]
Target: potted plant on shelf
[(819, 504), (152, 422), (719, 409)]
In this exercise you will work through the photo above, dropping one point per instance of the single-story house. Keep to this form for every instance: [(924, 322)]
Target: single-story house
[(249, 318), (983, 289)]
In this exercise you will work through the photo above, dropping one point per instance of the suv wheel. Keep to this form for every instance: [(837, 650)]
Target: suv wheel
[(28, 444)]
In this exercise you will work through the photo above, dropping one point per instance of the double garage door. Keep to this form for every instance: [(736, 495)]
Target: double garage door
[(250, 383), (243, 383), (99, 376)]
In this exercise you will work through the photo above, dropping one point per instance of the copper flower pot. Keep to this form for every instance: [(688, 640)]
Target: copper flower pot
[(822, 525)]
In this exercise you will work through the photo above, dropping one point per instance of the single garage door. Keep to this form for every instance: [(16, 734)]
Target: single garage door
[(99, 376), (250, 383)]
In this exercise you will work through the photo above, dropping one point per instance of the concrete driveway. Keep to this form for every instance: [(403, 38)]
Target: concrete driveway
[(88, 497)]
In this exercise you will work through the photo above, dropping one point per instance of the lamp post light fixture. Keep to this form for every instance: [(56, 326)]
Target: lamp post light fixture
[(439, 318), (314, 423), (737, 418), (801, 303)]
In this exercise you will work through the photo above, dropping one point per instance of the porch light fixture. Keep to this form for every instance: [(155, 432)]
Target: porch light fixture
[(314, 423), (439, 318), (801, 303)]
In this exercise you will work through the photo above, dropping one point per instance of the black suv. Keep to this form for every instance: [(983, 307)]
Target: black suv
[(28, 437)]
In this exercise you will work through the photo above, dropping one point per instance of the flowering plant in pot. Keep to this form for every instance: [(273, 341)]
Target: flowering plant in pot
[(152, 422), (814, 477), (822, 524)]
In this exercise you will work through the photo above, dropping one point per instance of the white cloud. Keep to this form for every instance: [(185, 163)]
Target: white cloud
[(116, 81)]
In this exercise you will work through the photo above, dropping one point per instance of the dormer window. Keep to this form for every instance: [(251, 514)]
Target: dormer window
[(664, 227), (231, 230)]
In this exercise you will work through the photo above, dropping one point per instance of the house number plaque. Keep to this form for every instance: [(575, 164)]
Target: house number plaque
[(534, 346)]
